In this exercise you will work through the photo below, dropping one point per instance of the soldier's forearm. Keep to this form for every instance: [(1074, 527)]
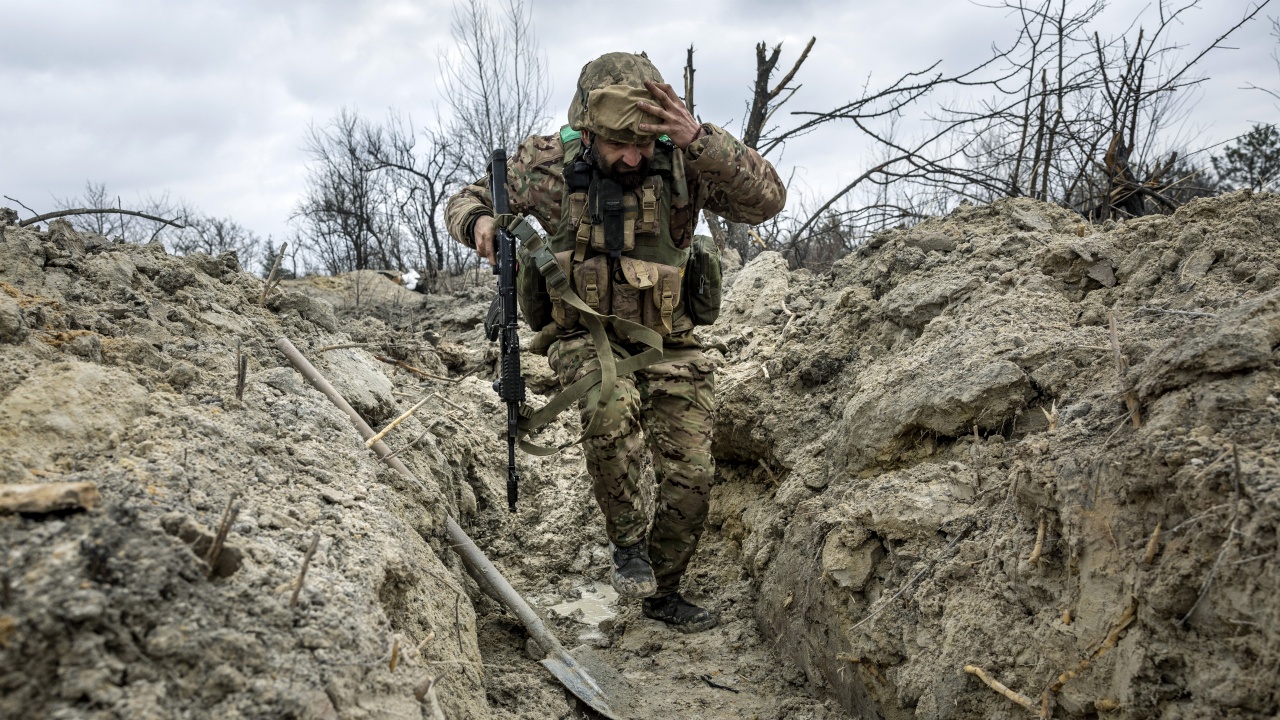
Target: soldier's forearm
[(740, 185)]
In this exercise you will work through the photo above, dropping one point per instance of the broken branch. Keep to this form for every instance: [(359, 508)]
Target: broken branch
[(1122, 369), (1039, 547), (1153, 546), (96, 211), (224, 527), (405, 416), (1113, 637), (302, 574), (272, 281)]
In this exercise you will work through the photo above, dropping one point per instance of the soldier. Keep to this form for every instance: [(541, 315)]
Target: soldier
[(620, 190)]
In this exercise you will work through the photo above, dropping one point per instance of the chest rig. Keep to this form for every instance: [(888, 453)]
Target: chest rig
[(611, 268), (615, 244)]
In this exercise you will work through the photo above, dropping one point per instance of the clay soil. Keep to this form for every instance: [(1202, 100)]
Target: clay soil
[(1004, 439)]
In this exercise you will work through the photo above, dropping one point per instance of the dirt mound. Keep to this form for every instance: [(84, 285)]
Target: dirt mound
[(119, 367), (937, 455), (933, 461)]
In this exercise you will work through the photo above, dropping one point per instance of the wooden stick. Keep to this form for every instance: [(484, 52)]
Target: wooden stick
[(395, 653), (1000, 687), (271, 277), (405, 416), (49, 497), (302, 574), (343, 346), (96, 211), (228, 517), (425, 693), (242, 371)]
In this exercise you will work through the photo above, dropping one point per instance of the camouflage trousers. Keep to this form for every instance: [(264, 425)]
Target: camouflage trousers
[(670, 404)]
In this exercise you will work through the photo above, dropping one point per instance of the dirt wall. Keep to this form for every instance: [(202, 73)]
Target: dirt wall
[(118, 366), (935, 462)]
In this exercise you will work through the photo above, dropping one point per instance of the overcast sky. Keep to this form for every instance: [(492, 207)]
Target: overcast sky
[(209, 101)]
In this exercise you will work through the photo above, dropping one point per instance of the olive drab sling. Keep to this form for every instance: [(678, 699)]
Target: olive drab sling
[(612, 263)]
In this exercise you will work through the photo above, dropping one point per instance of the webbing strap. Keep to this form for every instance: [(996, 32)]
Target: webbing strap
[(610, 367)]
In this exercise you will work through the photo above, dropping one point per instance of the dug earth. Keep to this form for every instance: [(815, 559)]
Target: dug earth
[(1001, 464)]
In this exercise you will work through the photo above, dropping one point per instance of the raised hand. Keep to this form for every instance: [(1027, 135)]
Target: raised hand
[(678, 123)]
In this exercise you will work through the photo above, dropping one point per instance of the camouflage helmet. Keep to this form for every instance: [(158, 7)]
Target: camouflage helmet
[(608, 90)]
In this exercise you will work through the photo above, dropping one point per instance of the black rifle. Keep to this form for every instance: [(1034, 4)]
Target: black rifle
[(502, 322)]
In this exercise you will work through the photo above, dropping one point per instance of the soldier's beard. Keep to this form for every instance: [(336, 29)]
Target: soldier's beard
[(628, 177)]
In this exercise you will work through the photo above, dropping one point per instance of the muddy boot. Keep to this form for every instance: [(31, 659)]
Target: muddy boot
[(679, 613), (632, 573)]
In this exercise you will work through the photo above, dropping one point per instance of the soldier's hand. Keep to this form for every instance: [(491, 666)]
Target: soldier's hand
[(484, 233), (677, 122)]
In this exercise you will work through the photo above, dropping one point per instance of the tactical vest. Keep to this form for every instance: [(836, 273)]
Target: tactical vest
[(618, 252), (631, 279)]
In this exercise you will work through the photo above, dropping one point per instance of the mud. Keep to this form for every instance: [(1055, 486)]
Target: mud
[(891, 438)]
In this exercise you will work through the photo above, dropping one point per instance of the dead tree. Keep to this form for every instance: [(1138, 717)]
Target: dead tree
[(766, 99)]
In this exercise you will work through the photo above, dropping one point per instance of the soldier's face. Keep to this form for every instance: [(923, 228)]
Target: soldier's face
[(624, 162)]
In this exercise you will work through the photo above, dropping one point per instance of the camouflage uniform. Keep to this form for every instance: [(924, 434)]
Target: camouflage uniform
[(671, 402)]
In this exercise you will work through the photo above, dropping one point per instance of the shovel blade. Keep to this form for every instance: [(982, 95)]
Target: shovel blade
[(592, 681)]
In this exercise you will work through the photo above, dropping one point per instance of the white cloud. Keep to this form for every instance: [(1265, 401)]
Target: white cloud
[(210, 100)]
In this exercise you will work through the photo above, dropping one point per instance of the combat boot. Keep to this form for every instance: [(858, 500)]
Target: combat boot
[(679, 613), (632, 572)]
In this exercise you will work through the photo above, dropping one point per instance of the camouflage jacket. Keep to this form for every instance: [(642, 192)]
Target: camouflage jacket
[(723, 176)]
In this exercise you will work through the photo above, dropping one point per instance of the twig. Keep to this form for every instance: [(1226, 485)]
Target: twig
[(96, 211), (343, 346), (414, 370), (228, 517), (791, 316), (242, 371), (999, 687), (395, 652), (880, 606), (24, 205), (1232, 532), (712, 683), (405, 416), (272, 282), (302, 574)]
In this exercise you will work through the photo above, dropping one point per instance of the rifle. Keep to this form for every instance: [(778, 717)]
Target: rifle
[(502, 322)]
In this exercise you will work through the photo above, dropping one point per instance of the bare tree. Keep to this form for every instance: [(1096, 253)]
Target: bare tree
[(421, 183), (347, 225), (1069, 117), (214, 236), (494, 80), (129, 227)]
